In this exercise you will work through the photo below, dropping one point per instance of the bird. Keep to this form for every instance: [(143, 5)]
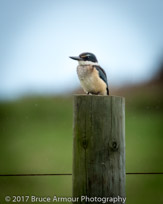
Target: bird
[(92, 76)]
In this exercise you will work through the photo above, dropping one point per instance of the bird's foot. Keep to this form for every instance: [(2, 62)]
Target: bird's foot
[(88, 93)]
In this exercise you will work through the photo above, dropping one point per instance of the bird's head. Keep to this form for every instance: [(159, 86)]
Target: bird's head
[(86, 58)]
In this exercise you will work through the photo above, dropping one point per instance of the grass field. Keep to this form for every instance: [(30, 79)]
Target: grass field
[(36, 137)]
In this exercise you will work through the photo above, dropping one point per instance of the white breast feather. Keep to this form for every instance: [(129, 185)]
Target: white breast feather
[(90, 80)]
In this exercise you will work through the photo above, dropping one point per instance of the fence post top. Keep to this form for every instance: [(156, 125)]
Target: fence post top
[(97, 96)]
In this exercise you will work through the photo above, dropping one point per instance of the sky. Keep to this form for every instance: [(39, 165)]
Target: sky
[(38, 36)]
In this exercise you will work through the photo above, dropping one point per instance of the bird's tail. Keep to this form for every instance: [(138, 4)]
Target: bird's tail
[(107, 89)]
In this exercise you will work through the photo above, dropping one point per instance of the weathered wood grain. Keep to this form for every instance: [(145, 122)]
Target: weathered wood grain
[(99, 146)]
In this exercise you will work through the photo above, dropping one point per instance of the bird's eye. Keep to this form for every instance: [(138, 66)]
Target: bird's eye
[(86, 58)]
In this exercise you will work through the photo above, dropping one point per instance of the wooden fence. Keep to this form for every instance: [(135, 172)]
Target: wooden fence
[(99, 146)]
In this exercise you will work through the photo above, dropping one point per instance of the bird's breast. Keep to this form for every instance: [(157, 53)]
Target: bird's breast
[(89, 79), (84, 72)]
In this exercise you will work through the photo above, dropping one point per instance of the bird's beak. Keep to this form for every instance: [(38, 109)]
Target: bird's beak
[(76, 58)]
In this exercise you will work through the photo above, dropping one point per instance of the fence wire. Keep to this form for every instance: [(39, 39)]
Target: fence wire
[(70, 174)]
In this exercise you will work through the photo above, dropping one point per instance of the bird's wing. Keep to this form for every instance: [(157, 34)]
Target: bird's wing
[(103, 76)]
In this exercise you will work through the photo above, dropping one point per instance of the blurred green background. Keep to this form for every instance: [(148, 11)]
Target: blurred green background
[(36, 137)]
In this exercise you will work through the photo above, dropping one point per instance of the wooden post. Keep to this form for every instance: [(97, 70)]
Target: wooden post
[(99, 147)]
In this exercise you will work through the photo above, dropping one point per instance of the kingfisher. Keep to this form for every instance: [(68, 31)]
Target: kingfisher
[(92, 77)]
